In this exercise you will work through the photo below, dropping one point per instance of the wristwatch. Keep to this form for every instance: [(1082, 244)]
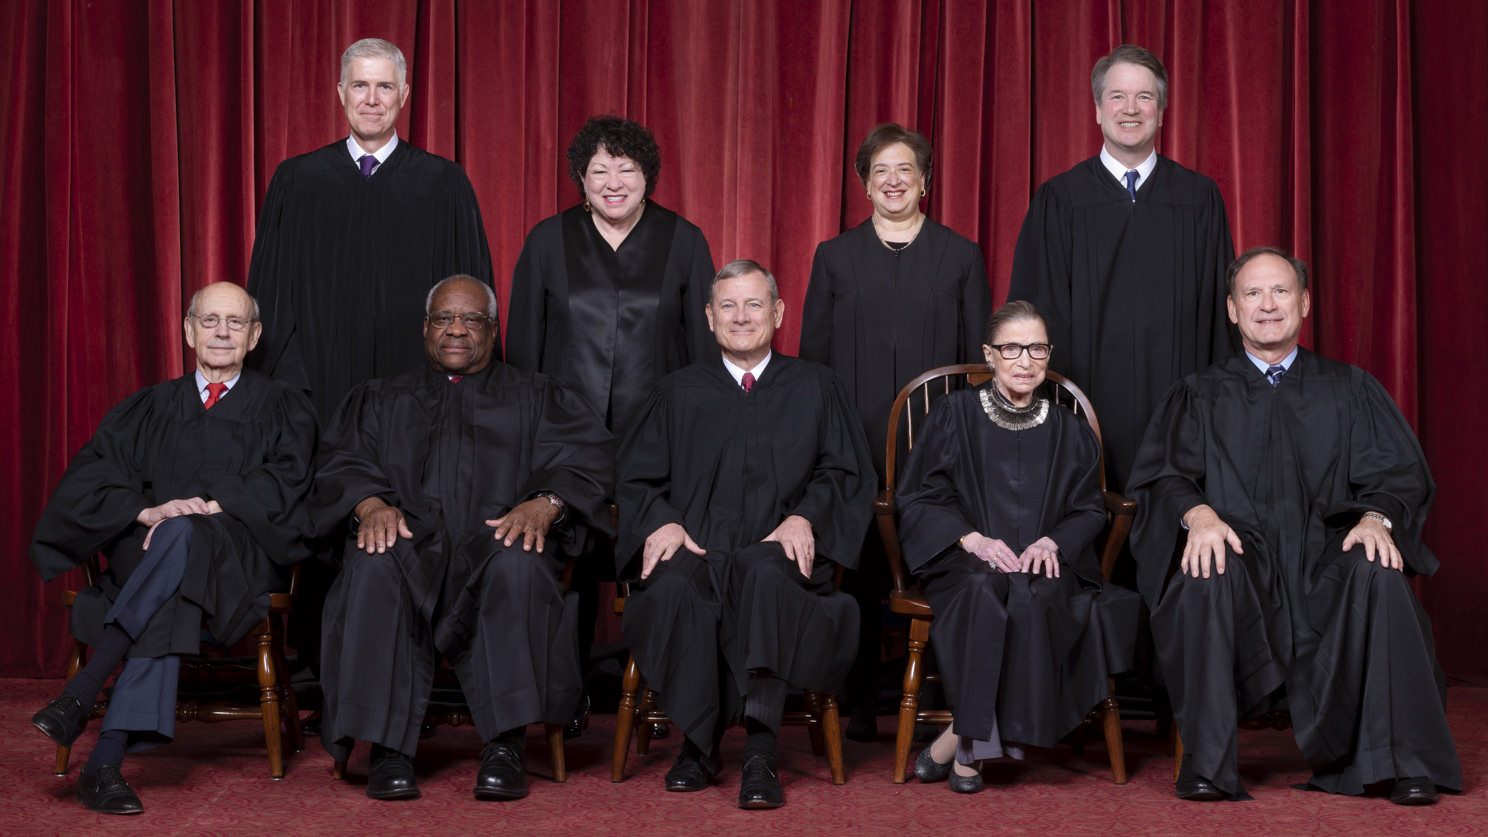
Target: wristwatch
[(556, 502), (1389, 527)]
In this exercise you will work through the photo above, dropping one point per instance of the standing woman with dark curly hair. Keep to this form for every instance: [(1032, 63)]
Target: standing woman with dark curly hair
[(608, 295)]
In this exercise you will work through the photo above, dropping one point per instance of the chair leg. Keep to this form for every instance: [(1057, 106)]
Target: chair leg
[(555, 751), (1177, 752), (643, 734), (338, 770), (268, 697), (831, 728), (287, 697), (814, 722), (625, 715), (914, 675), (1115, 749), (74, 665)]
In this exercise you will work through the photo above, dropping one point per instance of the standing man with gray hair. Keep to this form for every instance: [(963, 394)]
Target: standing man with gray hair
[(1125, 254)]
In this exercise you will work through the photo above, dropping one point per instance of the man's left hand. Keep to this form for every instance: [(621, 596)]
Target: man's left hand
[(529, 521), (1377, 542), (794, 533)]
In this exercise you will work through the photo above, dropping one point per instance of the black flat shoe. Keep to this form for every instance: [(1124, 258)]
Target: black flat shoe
[(503, 776), (105, 791), (1193, 787), (1413, 792), (391, 776), (687, 775), (580, 720), (927, 769), (759, 785), (965, 784), (62, 720)]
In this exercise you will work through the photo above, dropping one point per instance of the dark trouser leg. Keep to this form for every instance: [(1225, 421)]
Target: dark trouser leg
[(867, 585)]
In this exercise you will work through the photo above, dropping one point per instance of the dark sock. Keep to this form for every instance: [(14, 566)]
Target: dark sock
[(759, 741), (513, 738), (109, 751), (86, 684)]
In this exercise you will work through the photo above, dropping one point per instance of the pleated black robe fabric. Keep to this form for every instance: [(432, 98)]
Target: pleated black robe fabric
[(252, 452), (611, 322), (878, 318), (1133, 292), (1022, 654), (451, 455), (1291, 469), (729, 467), (342, 264)]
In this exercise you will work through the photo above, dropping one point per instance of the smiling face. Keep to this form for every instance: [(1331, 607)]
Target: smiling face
[(458, 349), (372, 96), (895, 182), (1128, 113), (1018, 378), (219, 348), (614, 186), (1268, 307), (743, 318)]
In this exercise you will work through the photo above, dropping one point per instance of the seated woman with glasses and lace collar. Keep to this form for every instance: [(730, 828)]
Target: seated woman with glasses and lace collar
[(999, 508)]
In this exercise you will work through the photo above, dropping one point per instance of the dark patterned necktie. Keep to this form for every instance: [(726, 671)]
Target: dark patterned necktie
[(1131, 184), (214, 394), (368, 163), (1274, 373), (748, 382)]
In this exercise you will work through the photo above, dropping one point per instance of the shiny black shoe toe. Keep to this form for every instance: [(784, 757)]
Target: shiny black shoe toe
[(579, 722), (104, 791), (1195, 788), (687, 776), (503, 775), (391, 777), (62, 720), (1413, 792), (759, 785), (927, 769)]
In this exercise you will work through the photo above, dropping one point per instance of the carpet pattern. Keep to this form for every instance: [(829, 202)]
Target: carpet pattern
[(214, 781)]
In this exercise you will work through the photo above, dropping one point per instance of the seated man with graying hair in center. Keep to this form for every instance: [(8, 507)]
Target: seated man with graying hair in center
[(744, 485), (460, 487)]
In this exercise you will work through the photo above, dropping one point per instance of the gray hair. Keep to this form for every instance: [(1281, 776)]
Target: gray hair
[(1130, 54), (1299, 267), (375, 48), (462, 277), (191, 308), (744, 267)]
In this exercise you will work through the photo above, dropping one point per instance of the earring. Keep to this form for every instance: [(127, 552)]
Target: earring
[(922, 191), (587, 207)]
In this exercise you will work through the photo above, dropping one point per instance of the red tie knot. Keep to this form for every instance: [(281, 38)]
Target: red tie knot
[(214, 393)]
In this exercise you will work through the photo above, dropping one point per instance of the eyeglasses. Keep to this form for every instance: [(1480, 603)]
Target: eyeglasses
[(211, 321), (472, 322), (1013, 351)]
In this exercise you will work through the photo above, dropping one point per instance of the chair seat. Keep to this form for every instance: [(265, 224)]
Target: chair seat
[(910, 602)]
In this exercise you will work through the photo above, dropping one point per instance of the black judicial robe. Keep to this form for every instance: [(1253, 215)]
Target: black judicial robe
[(1133, 292), (451, 456), (611, 322), (879, 318), (1291, 469), (342, 264), (252, 453), (1060, 638)]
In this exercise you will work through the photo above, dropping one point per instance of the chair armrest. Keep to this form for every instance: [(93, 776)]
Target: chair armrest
[(1117, 504)]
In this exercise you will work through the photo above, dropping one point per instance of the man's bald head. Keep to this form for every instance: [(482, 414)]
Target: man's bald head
[(221, 327)]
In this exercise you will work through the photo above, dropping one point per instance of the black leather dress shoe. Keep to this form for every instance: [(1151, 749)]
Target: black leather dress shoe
[(759, 786), (104, 790), (1193, 787), (1413, 792), (688, 775), (391, 776), (502, 773), (63, 720), (927, 769), (580, 720)]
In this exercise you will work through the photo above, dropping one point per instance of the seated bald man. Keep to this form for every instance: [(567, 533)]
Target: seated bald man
[(194, 490)]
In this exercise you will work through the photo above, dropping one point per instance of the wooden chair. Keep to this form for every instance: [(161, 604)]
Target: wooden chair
[(907, 599), (819, 716), (276, 706)]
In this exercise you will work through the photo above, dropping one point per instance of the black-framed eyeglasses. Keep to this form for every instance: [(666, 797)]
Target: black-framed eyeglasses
[(211, 321), (472, 321), (1013, 351)]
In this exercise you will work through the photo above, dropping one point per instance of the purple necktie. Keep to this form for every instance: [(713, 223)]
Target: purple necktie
[(368, 163), (1131, 183), (748, 382)]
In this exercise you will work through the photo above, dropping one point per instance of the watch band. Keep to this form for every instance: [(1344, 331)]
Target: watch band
[(1385, 521)]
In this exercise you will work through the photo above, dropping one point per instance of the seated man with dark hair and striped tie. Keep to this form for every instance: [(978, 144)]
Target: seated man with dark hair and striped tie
[(1281, 500), (743, 486), (194, 489)]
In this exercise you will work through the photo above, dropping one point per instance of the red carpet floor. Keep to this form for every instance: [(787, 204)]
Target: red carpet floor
[(214, 780)]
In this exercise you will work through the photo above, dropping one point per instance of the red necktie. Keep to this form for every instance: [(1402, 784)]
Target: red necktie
[(748, 382), (214, 393), (455, 379)]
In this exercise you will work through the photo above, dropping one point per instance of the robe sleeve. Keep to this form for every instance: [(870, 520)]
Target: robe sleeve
[(1216, 251), (348, 466), (816, 312), (527, 314), (269, 499), (1041, 263), (266, 276), (573, 455), (700, 273), (839, 496), (1167, 480), (930, 512), (100, 494), (976, 308), (1076, 461), (644, 490), (466, 249)]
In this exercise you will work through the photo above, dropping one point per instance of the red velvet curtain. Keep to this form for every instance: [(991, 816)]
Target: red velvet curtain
[(137, 138)]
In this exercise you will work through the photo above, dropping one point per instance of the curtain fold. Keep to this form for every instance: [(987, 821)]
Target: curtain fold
[(137, 138)]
